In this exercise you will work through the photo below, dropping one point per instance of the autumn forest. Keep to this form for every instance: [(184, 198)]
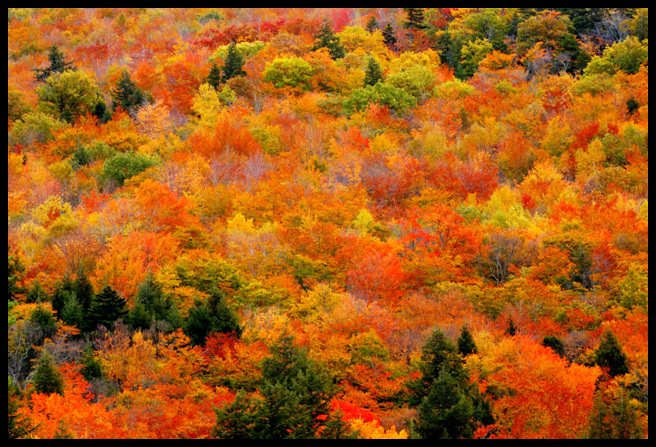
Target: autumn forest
[(344, 223)]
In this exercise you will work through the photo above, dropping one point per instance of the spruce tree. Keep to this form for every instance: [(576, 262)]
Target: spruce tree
[(609, 354), (210, 316), (127, 95), (106, 307), (83, 290), (233, 64), (63, 291), (73, 313), (36, 293), (91, 366), (15, 270), (389, 37), (415, 18), (214, 78), (327, 39), (373, 73), (372, 24), (466, 344), (58, 64), (47, 379), (511, 329)]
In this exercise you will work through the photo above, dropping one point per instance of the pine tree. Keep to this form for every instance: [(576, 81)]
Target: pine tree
[(214, 78), (327, 39), (466, 344), (389, 37), (106, 307), (415, 18), (127, 95), (63, 291), (609, 354), (210, 316), (47, 378), (233, 63), (511, 329), (83, 290), (373, 73), (372, 24), (91, 366), (58, 64)]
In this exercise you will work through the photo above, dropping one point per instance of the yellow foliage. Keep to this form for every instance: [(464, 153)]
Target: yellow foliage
[(373, 430)]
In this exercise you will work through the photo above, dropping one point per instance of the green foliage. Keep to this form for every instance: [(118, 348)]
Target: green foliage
[(47, 379), (473, 52), (212, 315), (373, 73), (106, 307), (555, 344), (232, 66), (214, 78), (91, 366), (466, 344), (58, 64), (34, 127), (246, 49), (43, 319), (614, 417), (414, 18), (127, 95), (69, 95), (152, 305), (382, 93), (122, 166), (327, 39), (609, 354), (632, 105), (64, 289), (36, 294), (627, 55), (15, 270), (295, 392), (289, 72), (18, 426), (415, 80), (72, 312)]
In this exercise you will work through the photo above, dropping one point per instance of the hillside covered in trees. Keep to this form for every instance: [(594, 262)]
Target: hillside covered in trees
[(327, 223)]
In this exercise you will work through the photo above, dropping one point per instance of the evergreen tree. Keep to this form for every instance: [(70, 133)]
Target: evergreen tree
[(47, 378), (415, 18), (389, 37), (327, 39), (101, 112), (214, 78), (44, 321), (127, 95), (466, 344), (58, 64), (295, 392), (609, 354), (233, 63), (18, 427), (373, 73), (83, 290), (210, 316), (91, 366), (448, 405), (632, 105), (613, 417), (106, 307), (554, 343), (15, 270), (36, 293), (372, 24), (63, 291), (446, 412), (73, 313)]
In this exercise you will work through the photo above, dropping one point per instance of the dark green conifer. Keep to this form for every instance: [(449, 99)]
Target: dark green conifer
[(373, 73), (609, 355), (233, 63), (466, 344), (327, 39), (127, 95), (389, 37), (47, 378), (106, 307), (554, 343), (36, 293), (214, 78), (58, 64), (415, 18)]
